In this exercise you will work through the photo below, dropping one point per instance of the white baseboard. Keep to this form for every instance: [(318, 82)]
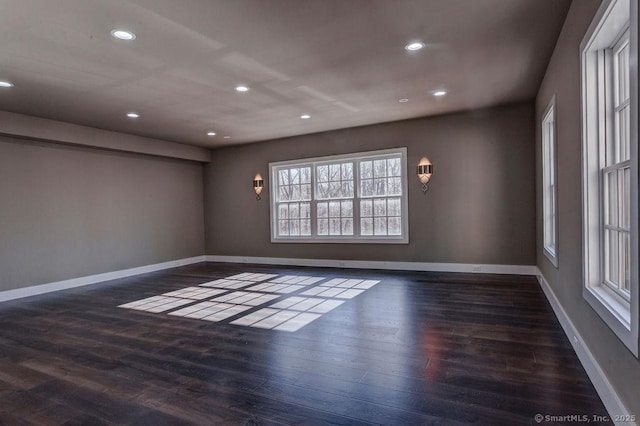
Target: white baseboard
[(93, 279), (394, 266), (605, 390)]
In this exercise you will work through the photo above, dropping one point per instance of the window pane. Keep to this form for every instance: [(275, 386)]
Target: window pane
[(283, 227), (323, 209), (305, 210), (334, 189), (622, 59), (294, 227), (395, 227), (295, 175), (393, 167), (347, 189), (346, 209), (334, 209), (305, 227), (366, 226), (393, 207), (323, 190), (323, 226), (294, 211), (334, 226), (612, 198), (613, 258), (625, 144), (305, 175), (283, 177), (380, 207), (323, 173), (380, 226), (379, 168), (295, 192), (306, 191), (283, 193), (347, 226), (394, 186), (334, 172), (626, 261), (283, 211), (366, 187), (366, 208), (552, 217), (621, 142), (380, 186), (347, 171), (626, 198), (366, 170)]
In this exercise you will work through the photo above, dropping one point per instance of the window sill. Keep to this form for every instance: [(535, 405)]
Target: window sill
[(342, 240), (551, 256), (614, 313)]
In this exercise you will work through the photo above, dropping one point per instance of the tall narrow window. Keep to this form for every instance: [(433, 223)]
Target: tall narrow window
[(293, 206), (359, 197), (610, 167), (616, 175), (549, 197), (381, 197), (334, 195)]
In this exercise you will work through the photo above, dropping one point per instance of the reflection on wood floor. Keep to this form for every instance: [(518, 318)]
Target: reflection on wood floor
[(413, 348)]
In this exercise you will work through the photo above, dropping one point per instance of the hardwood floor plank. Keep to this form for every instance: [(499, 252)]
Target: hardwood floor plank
[(416, 348)]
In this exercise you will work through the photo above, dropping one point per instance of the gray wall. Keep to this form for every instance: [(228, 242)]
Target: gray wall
[(480, 207), (69, 212), (562, 78)]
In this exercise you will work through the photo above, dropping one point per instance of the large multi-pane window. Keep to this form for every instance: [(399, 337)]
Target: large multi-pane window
[(610, 167), (549, 203), (347, 198)]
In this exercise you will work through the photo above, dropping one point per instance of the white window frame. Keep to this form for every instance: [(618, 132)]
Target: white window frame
[(549, 183), (356, 238), (609, 23)]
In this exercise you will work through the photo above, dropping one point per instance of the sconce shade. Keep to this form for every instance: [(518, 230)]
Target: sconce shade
[(258, 184), (425, 171)]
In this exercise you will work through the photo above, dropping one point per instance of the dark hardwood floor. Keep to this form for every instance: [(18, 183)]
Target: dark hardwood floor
[(417, 348)]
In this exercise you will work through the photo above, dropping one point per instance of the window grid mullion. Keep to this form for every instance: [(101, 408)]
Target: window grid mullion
[(356, 198)]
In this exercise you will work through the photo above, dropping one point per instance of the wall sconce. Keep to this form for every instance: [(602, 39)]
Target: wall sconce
[(258, 185), (425, 170)]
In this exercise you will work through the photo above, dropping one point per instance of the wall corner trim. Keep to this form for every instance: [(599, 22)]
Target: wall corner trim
[(385, 265), (94, 279), (605, 390)]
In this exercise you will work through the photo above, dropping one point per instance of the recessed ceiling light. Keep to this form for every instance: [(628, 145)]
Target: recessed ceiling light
[(439, 93), (133, 115), (123, 34), (227, 137), (242, 89), (414, 45), (5, 83), (211, 133), (403, 100), (305, 116)]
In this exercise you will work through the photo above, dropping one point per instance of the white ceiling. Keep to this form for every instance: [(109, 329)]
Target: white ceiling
[(341, 61)]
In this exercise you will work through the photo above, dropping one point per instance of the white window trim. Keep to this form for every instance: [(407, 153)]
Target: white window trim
[(550, 252), (365, 239), (622, 318)]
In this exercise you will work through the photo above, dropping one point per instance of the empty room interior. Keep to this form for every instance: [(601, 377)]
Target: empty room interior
[(319, 212)]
